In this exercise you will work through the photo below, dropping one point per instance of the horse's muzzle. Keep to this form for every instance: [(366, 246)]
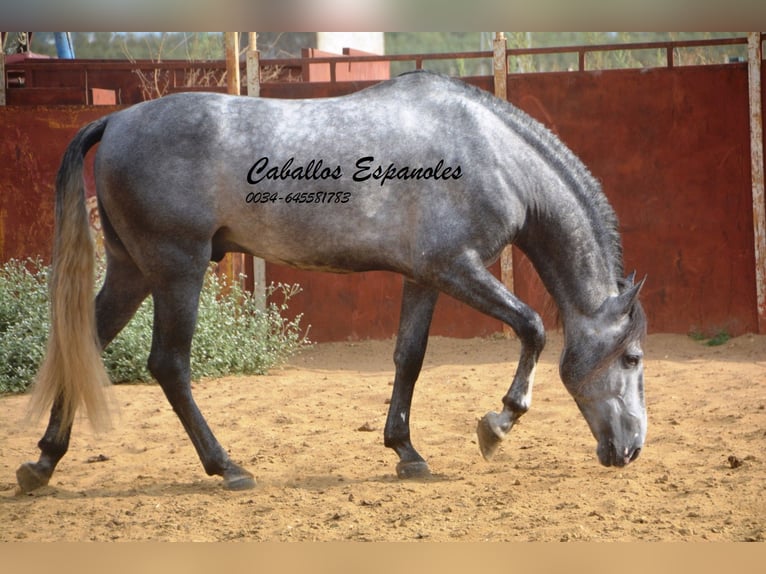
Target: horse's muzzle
[(611, 455)]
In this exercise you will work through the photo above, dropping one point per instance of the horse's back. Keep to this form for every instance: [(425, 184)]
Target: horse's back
[(209, 164)]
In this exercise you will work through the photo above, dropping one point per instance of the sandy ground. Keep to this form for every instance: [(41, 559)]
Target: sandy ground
[(312, 434)]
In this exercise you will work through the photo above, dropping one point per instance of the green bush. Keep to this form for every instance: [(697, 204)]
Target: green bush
[(234, 335), (23, 322)]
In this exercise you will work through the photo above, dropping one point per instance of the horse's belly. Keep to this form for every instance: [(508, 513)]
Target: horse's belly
[(320, 244)]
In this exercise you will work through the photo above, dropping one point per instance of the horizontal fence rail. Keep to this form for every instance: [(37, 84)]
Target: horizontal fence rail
[(582, 51)]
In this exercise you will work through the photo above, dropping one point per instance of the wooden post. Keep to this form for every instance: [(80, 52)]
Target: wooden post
[(231, 40), (2, 73), (233, 265), (254, 90), (253, 66), (500, 68), (754, 63), (500, 65)]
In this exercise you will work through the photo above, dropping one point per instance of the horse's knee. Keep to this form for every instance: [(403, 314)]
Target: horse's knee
[(532, 333), (407, 363)]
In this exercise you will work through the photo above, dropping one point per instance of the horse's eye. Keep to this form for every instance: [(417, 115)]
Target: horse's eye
[(631, 360)]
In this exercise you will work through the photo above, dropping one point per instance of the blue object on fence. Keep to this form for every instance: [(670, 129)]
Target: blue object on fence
[(64, 48)]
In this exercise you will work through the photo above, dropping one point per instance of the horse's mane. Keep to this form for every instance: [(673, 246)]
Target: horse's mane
[(585, 188)]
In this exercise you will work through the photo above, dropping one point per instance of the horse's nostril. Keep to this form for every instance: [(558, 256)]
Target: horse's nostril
[(635, 454)]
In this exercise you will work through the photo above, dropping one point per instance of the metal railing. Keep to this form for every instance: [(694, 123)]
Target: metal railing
[(670, 48)]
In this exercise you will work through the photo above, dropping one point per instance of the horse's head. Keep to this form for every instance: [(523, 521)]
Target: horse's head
[(602, 368)]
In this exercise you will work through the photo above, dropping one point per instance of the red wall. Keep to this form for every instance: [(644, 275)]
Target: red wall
[(672, 150), (671, 147), (32, 141)]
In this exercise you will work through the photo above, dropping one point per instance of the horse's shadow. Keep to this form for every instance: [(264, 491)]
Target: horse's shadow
[(212, 487)]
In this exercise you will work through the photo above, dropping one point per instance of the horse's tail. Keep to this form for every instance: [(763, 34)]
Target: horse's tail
[(72, 373)]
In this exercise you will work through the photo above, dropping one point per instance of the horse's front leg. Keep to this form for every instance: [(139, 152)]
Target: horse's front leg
[(417, 309), (468, 280), (494, 427)]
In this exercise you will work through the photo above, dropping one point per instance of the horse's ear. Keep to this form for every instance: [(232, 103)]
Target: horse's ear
[(622, 303)]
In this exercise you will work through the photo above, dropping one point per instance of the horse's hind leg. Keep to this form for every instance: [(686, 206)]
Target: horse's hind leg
[(176, 298), (53, 446), (417, 309), (123, 291)]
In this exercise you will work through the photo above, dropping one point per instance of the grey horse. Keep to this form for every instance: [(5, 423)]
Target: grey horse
[(421, 175)]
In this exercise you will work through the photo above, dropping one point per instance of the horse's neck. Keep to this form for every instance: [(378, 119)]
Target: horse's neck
[(570, 234), (576, 262)]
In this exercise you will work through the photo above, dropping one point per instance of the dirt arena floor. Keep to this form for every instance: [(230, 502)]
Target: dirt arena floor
[(311, 432)]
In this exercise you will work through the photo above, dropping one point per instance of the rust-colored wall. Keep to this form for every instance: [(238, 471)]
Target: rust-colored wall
[(366, 305), (66, 82), (32, 141), (671, 147)]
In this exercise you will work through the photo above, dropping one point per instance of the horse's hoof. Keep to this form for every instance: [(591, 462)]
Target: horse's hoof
[(238, 479), (413, 469), (29, 478), (491, 431)]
